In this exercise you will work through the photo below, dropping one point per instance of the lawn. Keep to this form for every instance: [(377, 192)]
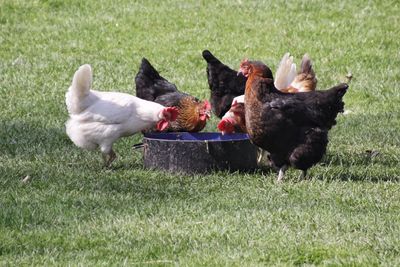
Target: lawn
[(73, 212)]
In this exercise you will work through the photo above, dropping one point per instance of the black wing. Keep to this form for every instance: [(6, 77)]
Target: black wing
[(224, 84), (313, 109), (149, 84)]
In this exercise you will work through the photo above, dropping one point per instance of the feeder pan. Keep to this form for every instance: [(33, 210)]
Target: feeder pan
[(199, 152)]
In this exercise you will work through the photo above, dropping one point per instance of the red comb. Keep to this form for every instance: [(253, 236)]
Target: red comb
[(245, 60), (226, 125)]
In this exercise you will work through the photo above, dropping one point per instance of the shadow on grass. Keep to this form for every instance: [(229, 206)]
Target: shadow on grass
[(29, 139), (30, 148)]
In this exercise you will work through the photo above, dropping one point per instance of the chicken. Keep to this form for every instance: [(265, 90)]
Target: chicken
[(193, 114), (234, 120), (293, 128), (224, 82), (98, 119), (286, 80), (304, 81)]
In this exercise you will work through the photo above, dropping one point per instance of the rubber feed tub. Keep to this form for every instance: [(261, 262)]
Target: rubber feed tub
[(199, 152)]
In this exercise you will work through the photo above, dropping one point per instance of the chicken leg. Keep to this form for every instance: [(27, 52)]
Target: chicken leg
[(303, 175), (109, 158), (282, 172)]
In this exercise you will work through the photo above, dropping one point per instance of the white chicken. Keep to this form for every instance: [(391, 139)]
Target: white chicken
[(98, 119)]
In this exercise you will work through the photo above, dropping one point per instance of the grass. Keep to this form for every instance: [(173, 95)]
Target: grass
[(72, 212)]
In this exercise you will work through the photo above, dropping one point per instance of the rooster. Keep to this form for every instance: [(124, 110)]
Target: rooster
[(293, 128), (286, 80), (98, 119), (193, 114), (224, 82)]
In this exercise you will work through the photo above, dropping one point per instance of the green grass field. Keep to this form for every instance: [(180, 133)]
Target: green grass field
[(73, 212)]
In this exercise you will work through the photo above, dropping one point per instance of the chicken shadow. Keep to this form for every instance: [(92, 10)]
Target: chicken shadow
[(31, 141)]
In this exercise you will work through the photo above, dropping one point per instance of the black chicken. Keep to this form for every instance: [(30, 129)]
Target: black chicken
[(293, 128), (224, 82), (193, 113)]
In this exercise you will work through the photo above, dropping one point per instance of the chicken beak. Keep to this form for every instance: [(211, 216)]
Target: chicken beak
[(162, 125), (241, 71)]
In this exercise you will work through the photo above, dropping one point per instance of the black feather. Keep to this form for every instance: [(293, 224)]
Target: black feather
[(293, 128), (150, 85), (224, 84)]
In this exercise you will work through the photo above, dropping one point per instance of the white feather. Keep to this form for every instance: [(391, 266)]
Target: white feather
[(285, 73), (100, 118)]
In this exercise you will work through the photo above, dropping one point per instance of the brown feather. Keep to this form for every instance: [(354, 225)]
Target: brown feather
[(188, 118)]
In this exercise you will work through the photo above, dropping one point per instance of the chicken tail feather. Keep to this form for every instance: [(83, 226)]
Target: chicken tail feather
[(286, 72), (306, 65), (335, 94), (147, 69), (82, 81), (305, 81), (80, 88), (150, 84), (210, 58), (340, 89)]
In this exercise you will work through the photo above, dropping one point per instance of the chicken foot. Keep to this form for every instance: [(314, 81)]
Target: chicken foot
[(282, 172), (283, 169), (303, 175), (109, 158)]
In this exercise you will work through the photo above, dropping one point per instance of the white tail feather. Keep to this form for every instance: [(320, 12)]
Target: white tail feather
[(79, 89), (286, 72)]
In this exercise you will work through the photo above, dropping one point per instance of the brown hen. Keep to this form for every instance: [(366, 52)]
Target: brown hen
[(293, 128)]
